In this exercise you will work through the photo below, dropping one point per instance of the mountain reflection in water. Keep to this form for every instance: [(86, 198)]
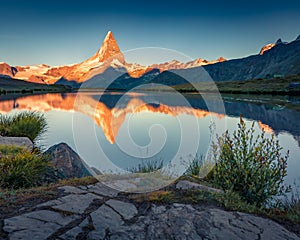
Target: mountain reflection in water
[(112, 112)]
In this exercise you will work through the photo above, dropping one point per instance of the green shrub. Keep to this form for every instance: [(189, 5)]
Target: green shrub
[(24, 124), (194, 166), (233, 202), (20, 168), (251, 166)]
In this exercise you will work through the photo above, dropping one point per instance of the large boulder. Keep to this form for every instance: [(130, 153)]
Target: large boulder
[(65, 163), (17, 141)]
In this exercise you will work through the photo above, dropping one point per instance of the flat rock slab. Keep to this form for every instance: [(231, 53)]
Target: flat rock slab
[(185, 222), (73, 203), (101, 189), (126, 210), (185, 185), (105, 220), (36, 225), (17, 141), (74, 232)]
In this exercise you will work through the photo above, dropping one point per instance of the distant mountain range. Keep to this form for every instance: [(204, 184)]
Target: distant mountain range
[(108, 67)]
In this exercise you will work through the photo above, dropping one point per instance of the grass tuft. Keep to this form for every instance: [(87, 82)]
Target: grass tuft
[(24, 124), (20, 168), (148, 167)]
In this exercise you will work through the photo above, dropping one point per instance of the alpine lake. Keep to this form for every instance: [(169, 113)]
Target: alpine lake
[(114, 132)]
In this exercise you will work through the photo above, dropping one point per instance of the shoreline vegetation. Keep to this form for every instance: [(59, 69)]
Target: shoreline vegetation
[(274, 86), (289, 86), (13, 86)]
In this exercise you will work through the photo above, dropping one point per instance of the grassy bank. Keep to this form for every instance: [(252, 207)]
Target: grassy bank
[(14, 86), (276, 86)]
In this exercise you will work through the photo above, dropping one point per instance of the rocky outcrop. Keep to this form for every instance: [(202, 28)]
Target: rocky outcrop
[(65, 163), (7, 70), (97, 212), (17, 141)]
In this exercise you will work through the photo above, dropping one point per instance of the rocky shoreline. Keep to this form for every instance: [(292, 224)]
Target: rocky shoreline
[(98, 212), (95, 211)]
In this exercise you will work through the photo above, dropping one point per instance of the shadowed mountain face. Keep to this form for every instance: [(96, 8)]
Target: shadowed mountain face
[(109, 113), (282, 59)]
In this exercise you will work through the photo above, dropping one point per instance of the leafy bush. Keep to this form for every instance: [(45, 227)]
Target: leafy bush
[(251, 166), (24, 124), (20, 168)]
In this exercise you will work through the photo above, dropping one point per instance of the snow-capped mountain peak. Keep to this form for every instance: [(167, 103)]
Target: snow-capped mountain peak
[(109, 56), (266, 48), (109, 50)]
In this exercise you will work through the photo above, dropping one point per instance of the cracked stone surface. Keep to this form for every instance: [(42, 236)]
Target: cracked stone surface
[(76, 231), (101, 189), (185, 222), (105, 221), (127, 210), (35, 225), (72, 203), (71, 234), (97, 212)]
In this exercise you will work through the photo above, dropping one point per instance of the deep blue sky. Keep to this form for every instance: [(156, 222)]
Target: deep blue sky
[(54, 33)]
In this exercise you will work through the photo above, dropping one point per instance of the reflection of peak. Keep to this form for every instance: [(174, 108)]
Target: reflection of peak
[(110, 113), (265, 127), (109, 119)]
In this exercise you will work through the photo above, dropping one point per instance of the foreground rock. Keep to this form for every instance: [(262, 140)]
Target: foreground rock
[(66, 163), (184, 185), (97, 212), (17, 141)]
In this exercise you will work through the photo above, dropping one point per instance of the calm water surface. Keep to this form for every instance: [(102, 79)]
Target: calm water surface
[(114, 132)]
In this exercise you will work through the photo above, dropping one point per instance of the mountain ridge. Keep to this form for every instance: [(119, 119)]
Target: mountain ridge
[(108, 64), (108, 55)]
